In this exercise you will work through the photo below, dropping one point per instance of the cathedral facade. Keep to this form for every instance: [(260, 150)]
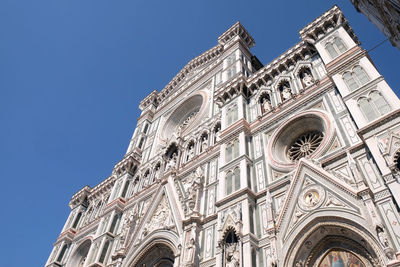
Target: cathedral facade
[(236, 163)]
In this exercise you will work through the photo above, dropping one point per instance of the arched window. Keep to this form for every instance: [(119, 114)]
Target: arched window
[(229, 182), (123, 195), (141, 143), (232, 181), (336, 47), (232, 150), (374, 106), (114, 223), (62, 253), (339, 44), (356, 78), (362, 77), (331, 50), (104, 251), (78, 217), (350, 81), (231, 115), (146, 127), (369, 113), (380, 103)]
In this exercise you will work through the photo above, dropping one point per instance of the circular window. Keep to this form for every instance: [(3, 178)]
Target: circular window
[(190, 112), (304, 135), (305, 145)]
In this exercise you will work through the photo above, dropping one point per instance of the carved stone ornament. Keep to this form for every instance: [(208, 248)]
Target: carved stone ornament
[(232, 257), (161, 219), (180, 128), (311, 197), (130, 217)]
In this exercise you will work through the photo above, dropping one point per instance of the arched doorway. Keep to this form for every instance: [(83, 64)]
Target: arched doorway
[(79, 257), (159, 255), (327, 244)]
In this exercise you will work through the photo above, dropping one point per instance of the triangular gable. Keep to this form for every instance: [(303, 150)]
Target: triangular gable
[(160, 215), (393, 145), (313, 189)]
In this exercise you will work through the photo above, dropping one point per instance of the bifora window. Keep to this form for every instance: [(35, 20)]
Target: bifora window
[(336, 47), (232, 150), (232, 181), (231, 115), (374, 106), (355, 78)]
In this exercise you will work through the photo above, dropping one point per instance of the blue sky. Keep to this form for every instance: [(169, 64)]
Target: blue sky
[(72, 74)]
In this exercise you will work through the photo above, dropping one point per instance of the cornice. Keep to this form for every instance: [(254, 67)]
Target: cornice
[(233, 130), (379, 125), (237, 196), (345, 61), (237, 30), (197, 62), (80, 196), (129, 163)]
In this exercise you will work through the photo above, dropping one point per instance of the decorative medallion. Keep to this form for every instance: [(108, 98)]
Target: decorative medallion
[(311, 197)]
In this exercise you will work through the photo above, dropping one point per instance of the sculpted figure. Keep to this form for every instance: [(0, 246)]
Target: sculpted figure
[(191, 152), (232, 256), (286, 92), (382, 237), (194, 187), (191, 246), (128, 221), (266, 105), (204, 144), (307, 79), (172, 161), (157, 173)]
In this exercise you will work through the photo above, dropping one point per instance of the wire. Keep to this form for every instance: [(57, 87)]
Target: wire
[(378, 45)]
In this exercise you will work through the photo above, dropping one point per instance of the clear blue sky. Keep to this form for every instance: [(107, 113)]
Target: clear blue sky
[(72, 74)]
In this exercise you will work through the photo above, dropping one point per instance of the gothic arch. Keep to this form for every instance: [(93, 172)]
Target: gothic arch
[(80, 253), (160, 238), (321, 234)]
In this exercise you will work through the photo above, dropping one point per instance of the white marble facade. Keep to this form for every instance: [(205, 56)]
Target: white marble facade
[(235, 163)]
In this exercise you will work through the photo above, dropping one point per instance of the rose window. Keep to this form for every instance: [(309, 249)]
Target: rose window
[(305, 145)]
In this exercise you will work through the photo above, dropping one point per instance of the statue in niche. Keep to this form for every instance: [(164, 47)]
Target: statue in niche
[(157, 173), (382, 237), (172, 161), (191, 246), (128, 222), (308, 79), (266, 105), (146, 179), (191, 152), (232, 256), (286, 92), (204, 144), (193, 190)]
